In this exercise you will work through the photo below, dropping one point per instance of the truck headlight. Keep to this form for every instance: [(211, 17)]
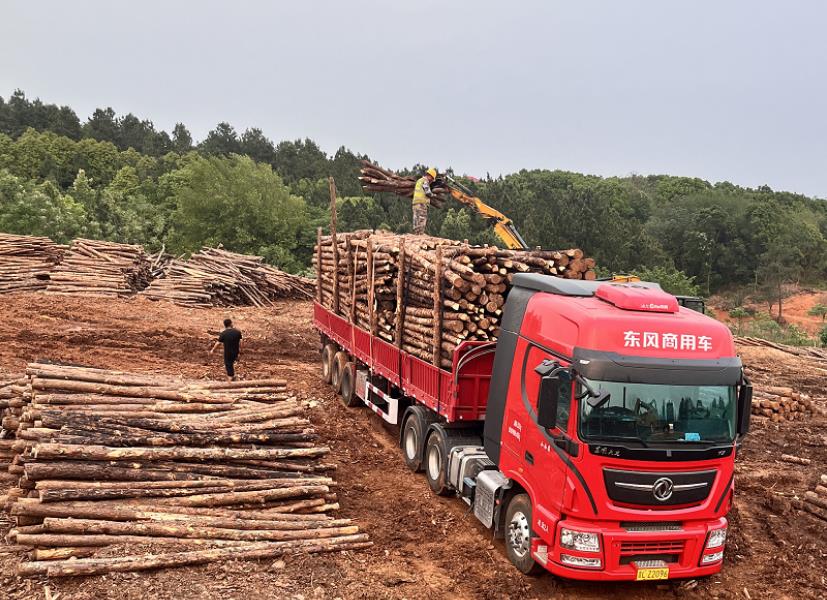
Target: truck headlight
[(716, 539), (579, 561), (712, 558), (579, 540)]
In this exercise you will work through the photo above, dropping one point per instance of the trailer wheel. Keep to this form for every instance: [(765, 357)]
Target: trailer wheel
[(518, 534), (348, 385), (328, 353), (436, 459), (412, 436), (339, 362)]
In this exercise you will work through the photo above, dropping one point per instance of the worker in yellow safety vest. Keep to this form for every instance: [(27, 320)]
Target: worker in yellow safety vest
[(421, 200)]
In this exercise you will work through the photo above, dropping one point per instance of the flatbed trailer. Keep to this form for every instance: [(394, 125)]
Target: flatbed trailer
[(597, 436)]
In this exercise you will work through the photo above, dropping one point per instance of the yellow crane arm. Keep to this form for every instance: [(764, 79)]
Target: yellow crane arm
[(503, 226)]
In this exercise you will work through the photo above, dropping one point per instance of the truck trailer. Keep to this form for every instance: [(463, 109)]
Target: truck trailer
[(597, 436)]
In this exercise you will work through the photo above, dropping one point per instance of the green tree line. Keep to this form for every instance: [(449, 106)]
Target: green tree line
[(120, 178)]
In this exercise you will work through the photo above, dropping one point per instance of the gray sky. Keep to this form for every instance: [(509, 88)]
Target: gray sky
[(732, 90)]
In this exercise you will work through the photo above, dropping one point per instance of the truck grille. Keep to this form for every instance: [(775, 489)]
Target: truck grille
[(660, 547)]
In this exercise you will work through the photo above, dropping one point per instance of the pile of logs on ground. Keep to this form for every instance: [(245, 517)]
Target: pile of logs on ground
[(26, 262), (111, 462), (376, 179), (427, 295), (94, 267), (216, 277), (815, 501), (779, 403), (807, 351)]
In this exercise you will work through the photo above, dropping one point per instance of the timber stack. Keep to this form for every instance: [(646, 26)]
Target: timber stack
[(375, 179), (108, 462), (780, 403), (26, 262), (815, 501), (98, 268), (428, 295), (217, 277)]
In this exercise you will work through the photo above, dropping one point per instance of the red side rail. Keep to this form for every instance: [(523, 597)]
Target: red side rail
[(457, 395)]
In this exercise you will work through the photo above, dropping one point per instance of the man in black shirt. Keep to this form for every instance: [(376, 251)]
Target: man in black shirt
[(231, 338)]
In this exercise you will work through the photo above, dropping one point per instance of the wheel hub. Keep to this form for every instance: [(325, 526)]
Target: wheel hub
[(519, 534), (434, 463), (410, 443)]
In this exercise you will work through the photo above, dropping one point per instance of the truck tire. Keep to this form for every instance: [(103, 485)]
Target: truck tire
[(436, 463), (348, 385), (519, 533), (328, 352), (339, 362), (412, 436)]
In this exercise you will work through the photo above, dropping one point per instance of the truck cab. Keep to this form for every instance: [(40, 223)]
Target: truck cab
[(613, 419)]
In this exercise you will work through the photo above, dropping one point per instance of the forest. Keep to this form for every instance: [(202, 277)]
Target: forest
[(117, 177)]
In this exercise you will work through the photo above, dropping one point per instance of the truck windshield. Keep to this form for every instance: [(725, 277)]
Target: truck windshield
[(659, 413)]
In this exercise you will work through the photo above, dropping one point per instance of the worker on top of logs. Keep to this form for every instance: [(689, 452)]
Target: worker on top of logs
[(421, 200), (231, 338)]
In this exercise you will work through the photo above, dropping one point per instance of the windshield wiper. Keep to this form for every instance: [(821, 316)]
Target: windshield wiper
[(622, 438)]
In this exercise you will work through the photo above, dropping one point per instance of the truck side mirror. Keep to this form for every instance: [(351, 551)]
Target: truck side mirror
[(744, 407), (547, 402)]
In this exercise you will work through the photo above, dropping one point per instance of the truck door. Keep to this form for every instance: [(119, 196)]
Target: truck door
[(531, 447)]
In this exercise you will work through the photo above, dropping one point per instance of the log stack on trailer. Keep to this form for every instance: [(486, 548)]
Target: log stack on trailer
[(26, 262), (424, 294), (95, 267), (107, 462), (217, 277)]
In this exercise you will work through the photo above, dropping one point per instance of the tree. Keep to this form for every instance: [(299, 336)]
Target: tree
[(241, 205), (818, 310), (739, 313), (221, 141), (255, 145), (671, 280), (457, 225), (102, 126), (823, 337), (181, 139)]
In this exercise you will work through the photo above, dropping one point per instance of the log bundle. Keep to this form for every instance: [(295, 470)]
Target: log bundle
[(815, 501), (98, 268), (26, 262), (779, 403), (108, 462), (217, 277), (427, 295), (375, 179)]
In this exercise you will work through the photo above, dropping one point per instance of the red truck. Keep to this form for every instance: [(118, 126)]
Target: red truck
[(597, 436)]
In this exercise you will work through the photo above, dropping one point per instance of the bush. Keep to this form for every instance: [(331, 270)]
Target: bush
[(823, 337), (670, 279)]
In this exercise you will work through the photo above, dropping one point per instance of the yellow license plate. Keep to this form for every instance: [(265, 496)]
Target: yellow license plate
[(652, 574)]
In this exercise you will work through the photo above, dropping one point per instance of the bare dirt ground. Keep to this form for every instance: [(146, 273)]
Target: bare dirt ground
[(425, 547), (795, 310)]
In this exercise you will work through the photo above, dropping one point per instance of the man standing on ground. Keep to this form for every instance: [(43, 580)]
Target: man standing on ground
[(421, 200), (231, 338)]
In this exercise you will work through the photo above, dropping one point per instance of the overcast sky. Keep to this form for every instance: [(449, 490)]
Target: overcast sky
[(733, 90)]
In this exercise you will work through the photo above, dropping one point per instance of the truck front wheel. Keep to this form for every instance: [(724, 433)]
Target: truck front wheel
[(518, 534)]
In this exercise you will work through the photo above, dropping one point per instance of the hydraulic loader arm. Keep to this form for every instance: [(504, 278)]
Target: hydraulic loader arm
[(503, 226)]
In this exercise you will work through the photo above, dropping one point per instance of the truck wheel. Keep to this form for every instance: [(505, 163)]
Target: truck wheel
[(339, 362), (518, 534), (413, 433), (328, 352), (436, 459), (348, 394)]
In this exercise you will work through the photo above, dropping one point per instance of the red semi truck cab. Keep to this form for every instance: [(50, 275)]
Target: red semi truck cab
[(601, 438)]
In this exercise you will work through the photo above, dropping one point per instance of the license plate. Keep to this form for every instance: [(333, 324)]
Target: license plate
[(652, 574)]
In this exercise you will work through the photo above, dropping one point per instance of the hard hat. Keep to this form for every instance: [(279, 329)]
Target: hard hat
[(431, 172)]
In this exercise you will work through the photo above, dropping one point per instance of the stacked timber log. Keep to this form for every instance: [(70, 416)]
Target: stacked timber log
[(815, 501), (216, 277), (807, 351), (428, 295), (26, 262), (376, 179), (111, 461), (98, 268), (780, 403)]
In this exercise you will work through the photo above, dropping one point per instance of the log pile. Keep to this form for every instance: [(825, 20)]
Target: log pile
[(216, 277), (98, 268), (26, 262), (427, 295), (108, 462), (815, 501), (806, 351), (375, 179), (780, 403)]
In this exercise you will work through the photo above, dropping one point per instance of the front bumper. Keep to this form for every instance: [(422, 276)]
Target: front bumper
[(620, 549)]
